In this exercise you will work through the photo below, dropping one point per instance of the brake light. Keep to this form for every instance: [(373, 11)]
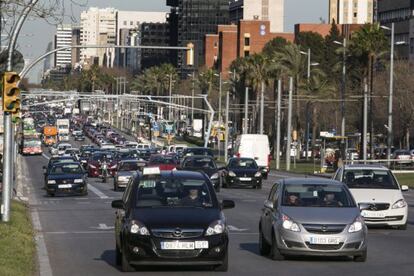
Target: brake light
[(238, 155)]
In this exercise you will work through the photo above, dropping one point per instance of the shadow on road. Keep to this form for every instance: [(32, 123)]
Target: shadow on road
[(251, 247), (109, 257)]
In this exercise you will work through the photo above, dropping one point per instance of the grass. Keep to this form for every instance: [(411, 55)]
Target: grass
[(17, 244), (301, 167), (406, 179)]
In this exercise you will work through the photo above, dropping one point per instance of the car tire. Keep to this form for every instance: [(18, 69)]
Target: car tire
[(126, 267), (118, 256), (264, 246), (51, 194), (259, 186), (274, 251), (224, 267), (116, 187), (361, 258)]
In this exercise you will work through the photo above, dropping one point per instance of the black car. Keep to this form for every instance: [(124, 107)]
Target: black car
[(79, 137), (197, 151), (243, 172), (171, 218), (56, 160), (206, 164), (66, 178)]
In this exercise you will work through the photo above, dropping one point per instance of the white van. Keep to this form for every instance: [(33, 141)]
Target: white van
[(254, 146)]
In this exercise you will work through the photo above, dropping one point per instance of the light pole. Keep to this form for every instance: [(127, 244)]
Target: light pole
[(170, 93), (289, 126)]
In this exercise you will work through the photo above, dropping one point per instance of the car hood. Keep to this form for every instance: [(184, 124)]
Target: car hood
[(315, 215), (243, 171), (64, 176), (376, 195), (176, 217)]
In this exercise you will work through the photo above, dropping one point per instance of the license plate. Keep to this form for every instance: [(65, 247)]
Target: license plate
[(65, 186), (177, 245), (201, 245), (245, 179), (324, 240), (372, 214)]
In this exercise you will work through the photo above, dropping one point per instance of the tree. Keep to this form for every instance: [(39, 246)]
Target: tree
[(274, 46), (331, 49), (313, 41)]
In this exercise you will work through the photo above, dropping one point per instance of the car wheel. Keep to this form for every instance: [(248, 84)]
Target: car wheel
[(126, 267), (362, 257), (274, 251), (264, 246), (259, 186), (225, 265), (115, 187), (51, 194), (265, 176), (118, 256)]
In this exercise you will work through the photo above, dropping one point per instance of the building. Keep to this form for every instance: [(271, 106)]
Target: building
[(98, 27), (324, 29), (399, 12), (233, 41), (351, 11), (47, 64), (128, 34), (266, 10), (63, 38), (76, 40), (155, 34), (190, 21)]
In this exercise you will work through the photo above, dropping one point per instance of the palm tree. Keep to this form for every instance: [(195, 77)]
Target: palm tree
[(169, 75)]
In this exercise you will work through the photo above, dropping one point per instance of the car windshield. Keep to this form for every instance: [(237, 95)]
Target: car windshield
[(242, 163), (176, 192), (369, 179), (320, 195), (101, 156), (127, 155), (199, 152), (202, 163), (32, 143), (168, 160), (67, 169), (129, 166)]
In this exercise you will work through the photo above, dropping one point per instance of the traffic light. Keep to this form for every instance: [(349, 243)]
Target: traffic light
[(190, 54), (11, 92)]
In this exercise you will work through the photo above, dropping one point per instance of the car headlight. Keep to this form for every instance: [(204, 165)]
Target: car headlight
[(138, 228), (92, 166), (113, 167), (123, 178), (216, 228), (399, 204), (214, 176), (51, 182), (356, 226), (289, 224), (78, 181), (232, 174), (258, 174)]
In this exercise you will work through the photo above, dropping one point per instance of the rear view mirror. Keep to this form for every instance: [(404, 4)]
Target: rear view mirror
[(227, 204), (118, 204), (268, 204), (404, 188), (44, 169)]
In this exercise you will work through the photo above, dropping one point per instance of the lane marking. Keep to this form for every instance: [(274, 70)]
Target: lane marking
[(97, 192), (43, 258), (235, 229), (103, 226), (45, 156)]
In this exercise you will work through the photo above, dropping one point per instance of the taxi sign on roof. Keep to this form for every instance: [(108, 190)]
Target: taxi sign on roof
[(151, 171)]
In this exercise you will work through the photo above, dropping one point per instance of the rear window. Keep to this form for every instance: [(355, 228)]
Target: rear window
[(67, 169), (243, 163), (369, 179), (202, 163)]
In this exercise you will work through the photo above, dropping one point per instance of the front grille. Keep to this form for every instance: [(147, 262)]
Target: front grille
[(386, 219), (353, 245), (64, 181), (291, 244), (324, 246), (377, 206), (178, 254), (171, 233), (324, 228)]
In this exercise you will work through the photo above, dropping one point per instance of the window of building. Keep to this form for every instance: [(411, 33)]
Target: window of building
[(215, 44), (247, 41), (131, 23), (246, 53), (125, 23), (355, 14)]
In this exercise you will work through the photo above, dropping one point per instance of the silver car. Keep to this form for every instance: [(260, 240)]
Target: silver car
[(312, 217), (125, 171)]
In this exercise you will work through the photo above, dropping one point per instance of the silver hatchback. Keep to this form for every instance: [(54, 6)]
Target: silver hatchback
[(312, 217)]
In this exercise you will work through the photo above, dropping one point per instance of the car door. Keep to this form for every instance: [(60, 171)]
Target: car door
[(121, 214), (266, 220)]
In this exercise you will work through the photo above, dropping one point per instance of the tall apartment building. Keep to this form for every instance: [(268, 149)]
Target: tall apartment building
[(351, 11), (401, 13), (76, 40), (190, 21), (98, 27), (63, 38), (265, 10), (155, 34)]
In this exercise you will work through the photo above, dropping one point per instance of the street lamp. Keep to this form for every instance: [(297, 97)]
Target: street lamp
[(343, 91)]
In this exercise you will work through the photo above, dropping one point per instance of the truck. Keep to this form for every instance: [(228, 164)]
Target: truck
[(198, 128), (62, 126), (50, 135)]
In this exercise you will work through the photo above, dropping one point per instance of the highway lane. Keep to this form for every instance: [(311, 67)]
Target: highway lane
[(79, 236)]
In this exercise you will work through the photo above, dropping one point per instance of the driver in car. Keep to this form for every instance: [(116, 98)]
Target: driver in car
[(192, 199), (330, 200)]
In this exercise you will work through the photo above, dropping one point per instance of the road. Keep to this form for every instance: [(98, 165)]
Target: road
[(79, 238)]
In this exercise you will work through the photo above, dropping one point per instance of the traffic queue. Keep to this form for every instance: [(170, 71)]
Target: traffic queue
[(170, 212)]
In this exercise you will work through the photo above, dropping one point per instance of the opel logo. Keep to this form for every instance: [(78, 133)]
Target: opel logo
[(324, 228), (177, 232), (373, 207)]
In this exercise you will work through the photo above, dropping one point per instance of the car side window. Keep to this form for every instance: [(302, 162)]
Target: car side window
[(275, 194), (127, 193), (338, 175)]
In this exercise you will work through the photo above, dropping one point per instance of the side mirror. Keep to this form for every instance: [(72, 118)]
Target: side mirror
[(404, 188), (268, 204), (118, 204), (364, 206), (227, 204), (44, 169)]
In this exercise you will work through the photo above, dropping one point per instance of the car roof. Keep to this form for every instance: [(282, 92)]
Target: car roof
[(183, 174), (199, 157), (65, 163), (311, 181), (366, 167)]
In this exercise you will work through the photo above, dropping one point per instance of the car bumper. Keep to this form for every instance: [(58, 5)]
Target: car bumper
[(253, 181), (392, 217), (74, 189), (298, 243), (147, 251), (122, 184)]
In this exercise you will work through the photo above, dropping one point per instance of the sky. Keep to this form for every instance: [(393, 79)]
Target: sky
[(41, 33)]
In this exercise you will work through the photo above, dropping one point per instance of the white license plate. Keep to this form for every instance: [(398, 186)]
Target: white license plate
[(177, 245), (372, 214), (65, 186), (324, 240), (201, 245), (245, 179)]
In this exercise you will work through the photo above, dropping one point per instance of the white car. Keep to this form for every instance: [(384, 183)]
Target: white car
[(131, 145), (378, 193)]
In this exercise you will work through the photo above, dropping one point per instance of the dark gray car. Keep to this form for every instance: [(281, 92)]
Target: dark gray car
[(313, 217)]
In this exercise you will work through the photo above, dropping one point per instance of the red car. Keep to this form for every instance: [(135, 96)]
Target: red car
[(95, 162), (166, 162)]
